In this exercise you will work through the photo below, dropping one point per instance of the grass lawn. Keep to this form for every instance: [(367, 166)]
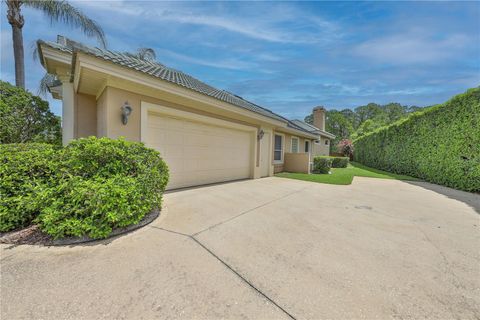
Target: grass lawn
[(345, 176)]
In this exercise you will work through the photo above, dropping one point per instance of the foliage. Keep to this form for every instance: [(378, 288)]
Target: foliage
[(26, 118), (98, 184), (440, 144), (322, 164), (345, 147), (351, 124), (344, 176), (64, 12), (23, 169), (340, 162)]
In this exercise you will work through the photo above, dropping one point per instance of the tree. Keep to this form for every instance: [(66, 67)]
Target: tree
[(57, 11), (26, 118), (395, 111)]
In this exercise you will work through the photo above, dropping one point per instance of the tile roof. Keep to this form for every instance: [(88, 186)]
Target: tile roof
[(311, 128), (163, 72)]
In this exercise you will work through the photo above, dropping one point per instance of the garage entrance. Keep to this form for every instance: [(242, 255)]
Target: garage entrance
[(200, 152)]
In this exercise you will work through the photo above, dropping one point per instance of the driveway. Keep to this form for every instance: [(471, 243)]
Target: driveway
[(270, 248)]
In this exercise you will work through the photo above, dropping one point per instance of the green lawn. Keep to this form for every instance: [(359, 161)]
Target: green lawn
[(345, 176)]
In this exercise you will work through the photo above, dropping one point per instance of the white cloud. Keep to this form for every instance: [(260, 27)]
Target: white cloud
[(408, 48), (233, 64)]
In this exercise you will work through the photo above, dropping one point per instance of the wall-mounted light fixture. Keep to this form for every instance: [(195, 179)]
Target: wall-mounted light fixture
[(126, 111), (260, 134)]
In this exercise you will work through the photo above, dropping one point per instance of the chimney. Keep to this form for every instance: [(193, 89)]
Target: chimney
[(61, 40), (319, 117)]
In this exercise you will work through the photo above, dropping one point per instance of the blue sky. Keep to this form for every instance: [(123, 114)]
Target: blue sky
[(289, 56)]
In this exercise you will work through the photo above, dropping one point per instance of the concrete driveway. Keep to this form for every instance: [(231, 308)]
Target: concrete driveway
[(271, 248)]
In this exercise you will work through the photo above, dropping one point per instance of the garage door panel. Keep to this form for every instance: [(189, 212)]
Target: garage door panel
[(200, 153)]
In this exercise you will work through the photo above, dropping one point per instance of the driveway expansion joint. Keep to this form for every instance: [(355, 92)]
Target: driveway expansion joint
[(192, 237), (243, 278)]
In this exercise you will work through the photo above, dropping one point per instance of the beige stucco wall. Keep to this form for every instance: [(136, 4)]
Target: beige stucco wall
[(85, 121), (114, 98), (321, 149), (109, 121), (102, 115), (296, 162), (279, 167)]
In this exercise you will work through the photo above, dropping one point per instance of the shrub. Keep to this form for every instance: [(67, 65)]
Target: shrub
[(322, 164), (440, 145), (345, 147), (24, 168), (88, 188), (340, 162), (26, 118), (102, 184)]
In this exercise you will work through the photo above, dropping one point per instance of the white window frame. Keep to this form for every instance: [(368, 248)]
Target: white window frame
[(281, 151), (291, 144)]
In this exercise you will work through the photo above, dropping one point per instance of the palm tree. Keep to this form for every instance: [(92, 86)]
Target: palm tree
[(56, 10)]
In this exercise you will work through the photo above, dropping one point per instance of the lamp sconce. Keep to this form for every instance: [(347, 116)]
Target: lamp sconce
[(260, 134), (126, 111)]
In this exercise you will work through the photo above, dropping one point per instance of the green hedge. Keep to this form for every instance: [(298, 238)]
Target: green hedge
[(322, 164), (88, 188), (440, 145), (340, 162)]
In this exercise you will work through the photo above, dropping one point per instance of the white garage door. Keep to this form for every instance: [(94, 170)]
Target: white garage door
[(200, 153)]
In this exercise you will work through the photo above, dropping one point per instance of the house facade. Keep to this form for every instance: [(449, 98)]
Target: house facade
[(204, 134)]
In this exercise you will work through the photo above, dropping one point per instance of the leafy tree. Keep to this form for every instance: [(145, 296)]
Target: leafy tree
[(57, 11), (369, 111), (309, 119), (26, 118), (395, 111), (349, 123)]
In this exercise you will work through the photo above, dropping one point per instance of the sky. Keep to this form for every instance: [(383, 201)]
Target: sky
[(287, 56)]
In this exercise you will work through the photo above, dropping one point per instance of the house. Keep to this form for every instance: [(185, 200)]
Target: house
[(205, 135)]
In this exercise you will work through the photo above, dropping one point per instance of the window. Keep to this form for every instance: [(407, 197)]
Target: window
[(294, 145), (326, 142), (278, 148), (307, 146)]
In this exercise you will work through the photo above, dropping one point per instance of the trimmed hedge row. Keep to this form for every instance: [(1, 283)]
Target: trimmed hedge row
[(440, 145), (323, 164), (90, 187), (340, 162)]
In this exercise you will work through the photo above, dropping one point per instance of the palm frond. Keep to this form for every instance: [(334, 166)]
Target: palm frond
[(62, 11), (46, 81), (147, 54)]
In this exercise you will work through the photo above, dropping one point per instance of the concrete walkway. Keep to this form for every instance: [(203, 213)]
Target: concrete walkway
[(271, 248)]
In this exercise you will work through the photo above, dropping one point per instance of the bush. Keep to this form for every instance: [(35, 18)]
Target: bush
[(322, 164), (24, 168), (440, 145), (102, 184), (345, 147), (340, 162), (26, 118), (97, 185)]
